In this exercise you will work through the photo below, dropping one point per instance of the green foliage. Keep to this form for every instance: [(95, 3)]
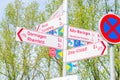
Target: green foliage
[(52, 6), (86, 15), (22, 61)]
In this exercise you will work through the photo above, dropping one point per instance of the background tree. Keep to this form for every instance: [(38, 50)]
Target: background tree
[(22, 61)]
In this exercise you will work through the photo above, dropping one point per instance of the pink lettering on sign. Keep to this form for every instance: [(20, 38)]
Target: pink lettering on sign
[(71, 52), (51, 24), (83, 35), (81, 50), (83, 32), (35, 40), (59, 40), (44, 25), (36, 35), (60, 23), (77, 50), (72, 30), (48, 29), (81, 38), (97, 47), (59, 45)]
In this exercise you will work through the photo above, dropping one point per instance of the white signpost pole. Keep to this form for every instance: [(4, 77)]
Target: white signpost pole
[(112, 73), (65, 6)]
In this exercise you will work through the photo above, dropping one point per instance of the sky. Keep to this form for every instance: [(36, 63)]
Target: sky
[(4, 3)]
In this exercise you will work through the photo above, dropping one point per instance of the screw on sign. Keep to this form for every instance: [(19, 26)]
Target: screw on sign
[(110, 28)]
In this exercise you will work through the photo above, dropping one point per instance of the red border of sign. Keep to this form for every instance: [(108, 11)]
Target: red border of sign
[(101, 28)]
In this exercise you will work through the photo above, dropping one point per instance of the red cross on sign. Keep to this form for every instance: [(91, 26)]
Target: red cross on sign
[(110, 28)]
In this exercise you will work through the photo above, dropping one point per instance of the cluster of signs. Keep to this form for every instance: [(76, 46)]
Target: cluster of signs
[(50, 34)]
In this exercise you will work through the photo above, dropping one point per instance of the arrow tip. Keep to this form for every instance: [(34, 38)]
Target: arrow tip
[(104, 47), (19, 34)]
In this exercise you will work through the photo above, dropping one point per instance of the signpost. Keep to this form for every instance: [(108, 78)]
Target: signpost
[(24, 35), (84, 35), (51, 24), (73, 77), (65, 35), (88, 51), (110, 29)]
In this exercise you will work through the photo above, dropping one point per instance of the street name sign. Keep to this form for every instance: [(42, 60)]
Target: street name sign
[(85, 52), (84, 35), (51, 24), (25, 35)]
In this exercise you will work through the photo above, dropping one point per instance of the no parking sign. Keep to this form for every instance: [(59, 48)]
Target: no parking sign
[(110, 28)]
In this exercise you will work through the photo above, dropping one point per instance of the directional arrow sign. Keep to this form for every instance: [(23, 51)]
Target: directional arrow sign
[(84, 35), (57, 13), (51, 24), (24, 35), (88, 51)]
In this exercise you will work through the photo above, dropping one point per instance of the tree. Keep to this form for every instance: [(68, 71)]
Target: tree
[(22, 61), (86, 15), (17, 58)]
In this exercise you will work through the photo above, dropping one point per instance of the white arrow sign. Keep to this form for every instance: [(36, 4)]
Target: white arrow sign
[(58, 12), (73, 77), (29, 36), (84, 35), (51, 24), (88, 51)]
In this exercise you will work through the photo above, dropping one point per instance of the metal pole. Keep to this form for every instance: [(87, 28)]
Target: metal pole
[(112, 70), (65, 6), (112, 73)]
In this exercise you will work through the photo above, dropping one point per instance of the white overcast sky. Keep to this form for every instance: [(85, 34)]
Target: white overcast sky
[(4, 3)]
